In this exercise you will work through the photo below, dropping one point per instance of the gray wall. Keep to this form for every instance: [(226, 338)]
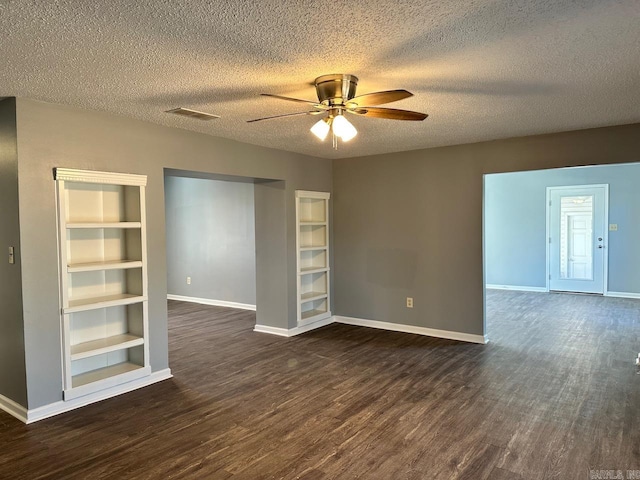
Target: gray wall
[(410, 224), (515, 224), (13, 383), (57, 136), (210, 238)]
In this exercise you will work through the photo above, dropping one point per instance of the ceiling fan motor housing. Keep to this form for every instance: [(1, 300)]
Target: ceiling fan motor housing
[(336, 89)]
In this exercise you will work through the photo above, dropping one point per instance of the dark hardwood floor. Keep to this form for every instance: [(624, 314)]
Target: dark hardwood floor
[(553, 395)]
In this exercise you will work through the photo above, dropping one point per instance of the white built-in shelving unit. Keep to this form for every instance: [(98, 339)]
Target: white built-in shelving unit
[(312, 244), (103, 279)]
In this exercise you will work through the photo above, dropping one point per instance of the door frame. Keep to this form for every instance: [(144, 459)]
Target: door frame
[(605, 260)]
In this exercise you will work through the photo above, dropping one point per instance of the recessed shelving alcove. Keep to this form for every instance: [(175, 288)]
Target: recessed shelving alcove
[(312, 239), (103, 279)]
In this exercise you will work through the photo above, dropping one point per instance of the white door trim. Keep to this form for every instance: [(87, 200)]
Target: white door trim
[(605, 259)]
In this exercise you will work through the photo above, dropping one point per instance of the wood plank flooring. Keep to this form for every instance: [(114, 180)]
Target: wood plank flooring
[(553, 395)]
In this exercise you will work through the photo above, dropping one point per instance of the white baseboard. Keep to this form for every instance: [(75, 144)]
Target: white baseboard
[(517, 288), (430, 332), (292, 332), (281, 332), (13, 408), (46, 411), (622, 295), (208, 301)]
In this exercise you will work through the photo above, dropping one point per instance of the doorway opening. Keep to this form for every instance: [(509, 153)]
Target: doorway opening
[(210, 227), (226, 242), (551, 233)]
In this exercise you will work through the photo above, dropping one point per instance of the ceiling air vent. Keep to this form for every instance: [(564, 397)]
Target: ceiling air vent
[(187, 112)]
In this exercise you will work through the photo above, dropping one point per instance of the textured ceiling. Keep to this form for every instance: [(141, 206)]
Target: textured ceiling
[(482, 69)]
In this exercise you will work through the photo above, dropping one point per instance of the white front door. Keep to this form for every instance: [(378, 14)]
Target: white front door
[(577, 235)]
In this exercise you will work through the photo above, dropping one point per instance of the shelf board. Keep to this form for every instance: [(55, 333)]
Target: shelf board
[(74, 225), (311, 248), (312, 195), (313, 319), (95, 303), (105, 345), (103, 373), (311, 296), (312, 313), (97, 266), (109, 381), (313, 224), (307, 270)]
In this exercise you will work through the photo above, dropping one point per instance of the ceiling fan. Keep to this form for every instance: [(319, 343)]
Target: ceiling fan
[(337, 96)]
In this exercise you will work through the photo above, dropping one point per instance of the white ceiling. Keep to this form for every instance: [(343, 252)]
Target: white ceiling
[(482, 69)]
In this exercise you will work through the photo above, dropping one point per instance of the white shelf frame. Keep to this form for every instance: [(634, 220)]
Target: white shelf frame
[(311, 316), (89, 382)]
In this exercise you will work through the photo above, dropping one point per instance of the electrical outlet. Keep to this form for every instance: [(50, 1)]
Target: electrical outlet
[(613, 227), (188, 280), (409, 302)]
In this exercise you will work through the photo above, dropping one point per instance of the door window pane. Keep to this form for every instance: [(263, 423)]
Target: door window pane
[(576, 237)]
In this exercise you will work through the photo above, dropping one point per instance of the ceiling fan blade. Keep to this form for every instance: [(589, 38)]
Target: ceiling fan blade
[(378, 98), (290, 99), (390, 113), (313, 112)]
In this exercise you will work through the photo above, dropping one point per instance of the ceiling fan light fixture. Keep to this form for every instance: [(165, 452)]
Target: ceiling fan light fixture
[(343, 128), (321, 129)]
